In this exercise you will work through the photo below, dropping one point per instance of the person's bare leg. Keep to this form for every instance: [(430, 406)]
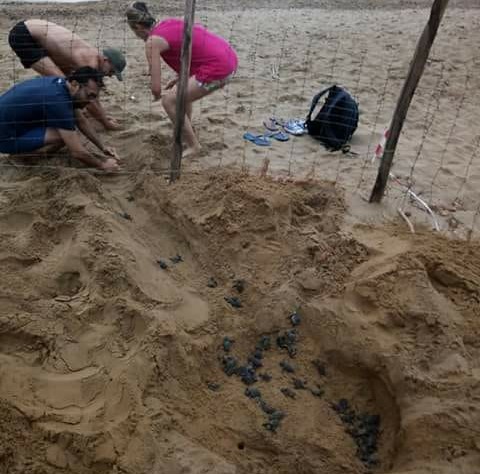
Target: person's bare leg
[(52, 137), (46, 67), (51, 144), (188, 112), (188, 105), (194, 92), (193, 146)]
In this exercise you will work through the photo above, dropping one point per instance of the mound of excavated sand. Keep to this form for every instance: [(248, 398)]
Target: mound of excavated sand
[(111, 363)]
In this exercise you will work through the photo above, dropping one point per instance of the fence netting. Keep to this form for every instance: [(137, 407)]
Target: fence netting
[(284, 62)]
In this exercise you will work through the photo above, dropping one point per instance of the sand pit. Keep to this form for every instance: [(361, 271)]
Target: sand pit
[(110, 363), (233, 323)]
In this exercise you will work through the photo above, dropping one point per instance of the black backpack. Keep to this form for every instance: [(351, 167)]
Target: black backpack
[(337, 120)]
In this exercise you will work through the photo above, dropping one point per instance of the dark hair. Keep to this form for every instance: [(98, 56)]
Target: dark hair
[(86, 73), (137, 14)]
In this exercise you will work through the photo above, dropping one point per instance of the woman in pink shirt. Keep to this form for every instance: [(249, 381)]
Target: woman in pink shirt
[(213, 62)]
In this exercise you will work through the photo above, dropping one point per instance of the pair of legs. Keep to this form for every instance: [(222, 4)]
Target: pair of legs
[(52, 142), (194, 92), (37, 141)]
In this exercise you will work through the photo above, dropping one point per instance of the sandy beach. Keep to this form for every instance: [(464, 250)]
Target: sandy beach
[(365, 49), (110, 363)]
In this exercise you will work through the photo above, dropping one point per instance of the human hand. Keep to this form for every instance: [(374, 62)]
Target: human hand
[(171, 83), (112, 124), (110, 165), (110, 151), (156, 92)]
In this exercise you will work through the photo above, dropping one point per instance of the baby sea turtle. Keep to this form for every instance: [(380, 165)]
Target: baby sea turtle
[(264, 343), (239, 285), (295, 319), (274, 420), (255, 363), (277, 415), (348, 417), (125, 215), (247, 374), (258, 354), (299, 384), (369, 420), (266, 408), (272, 425), (233, 301), (317, 392), (342, 406), (214, 387), (163, 265), (286, 367), (229, 365), (288, 341), (252, 392), (227, 344), (176, 259), (288, 393), (320, 366)]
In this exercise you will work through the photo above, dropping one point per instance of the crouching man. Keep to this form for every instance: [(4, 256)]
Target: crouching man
[(52, 50), (43, 114)]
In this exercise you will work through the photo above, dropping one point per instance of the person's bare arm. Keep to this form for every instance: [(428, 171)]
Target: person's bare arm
[(86, 128), (77, 150), (98, 112), (154, 46), (46, 67)]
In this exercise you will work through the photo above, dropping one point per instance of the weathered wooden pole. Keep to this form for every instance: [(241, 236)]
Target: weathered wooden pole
[(186, 56), (417, 67)]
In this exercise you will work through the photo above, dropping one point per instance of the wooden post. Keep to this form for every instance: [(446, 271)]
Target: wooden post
[(417, 67), (186, 56)]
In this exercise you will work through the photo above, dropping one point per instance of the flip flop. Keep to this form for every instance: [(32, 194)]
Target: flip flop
[(295, 127), (280, 136), (271, 124), (259, 140)]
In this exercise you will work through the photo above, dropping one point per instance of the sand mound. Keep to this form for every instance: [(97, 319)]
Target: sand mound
[(110, 363)]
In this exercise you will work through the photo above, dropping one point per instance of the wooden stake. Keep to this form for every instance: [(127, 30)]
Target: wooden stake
[(417, 67), (186, 56)]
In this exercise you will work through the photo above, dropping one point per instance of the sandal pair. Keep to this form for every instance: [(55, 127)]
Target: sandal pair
[(264, 140)]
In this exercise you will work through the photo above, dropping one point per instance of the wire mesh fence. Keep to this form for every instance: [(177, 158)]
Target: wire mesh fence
[(285, 57)]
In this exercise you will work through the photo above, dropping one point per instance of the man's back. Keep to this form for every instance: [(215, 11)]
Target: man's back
[(40, 102), (67, 50)]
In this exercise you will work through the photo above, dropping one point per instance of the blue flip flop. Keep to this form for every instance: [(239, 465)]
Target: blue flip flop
[(259, 140), (280, 136)]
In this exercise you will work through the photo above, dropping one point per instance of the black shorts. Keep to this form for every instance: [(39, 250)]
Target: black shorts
[(25, 47)]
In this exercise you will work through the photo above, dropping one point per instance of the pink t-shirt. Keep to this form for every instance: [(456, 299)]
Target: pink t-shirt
[(212, 57)]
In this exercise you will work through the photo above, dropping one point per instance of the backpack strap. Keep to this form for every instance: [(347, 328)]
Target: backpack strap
[(316, 99)]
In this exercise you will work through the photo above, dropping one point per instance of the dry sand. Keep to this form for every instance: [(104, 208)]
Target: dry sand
[(366, 49), (107, 360)]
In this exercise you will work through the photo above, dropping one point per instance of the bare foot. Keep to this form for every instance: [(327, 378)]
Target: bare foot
[(192, 152)]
